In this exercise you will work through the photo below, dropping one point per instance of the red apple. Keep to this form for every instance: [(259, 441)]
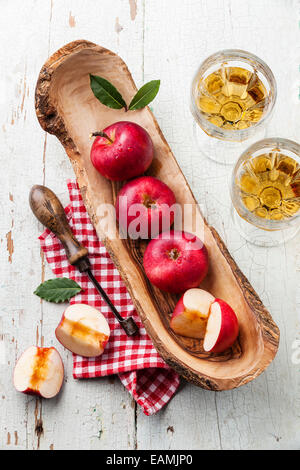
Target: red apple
[(176, 261), (39, 371), (191, 313), (222, 327), (122, 151), (143, 207), (83, 330), (199, 315)]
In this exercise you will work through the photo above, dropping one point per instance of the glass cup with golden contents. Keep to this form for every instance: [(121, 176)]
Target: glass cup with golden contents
[(232, 97), (265, 192)]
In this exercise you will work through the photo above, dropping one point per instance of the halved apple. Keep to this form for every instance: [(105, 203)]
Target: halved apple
[(199, 315), (191, 313), (222, 327), (39, 371), (83, 330)]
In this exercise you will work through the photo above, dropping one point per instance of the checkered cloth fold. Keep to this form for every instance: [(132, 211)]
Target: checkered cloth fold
[(141, 370)]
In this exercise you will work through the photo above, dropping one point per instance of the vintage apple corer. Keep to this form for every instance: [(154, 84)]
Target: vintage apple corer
[(49, 211)]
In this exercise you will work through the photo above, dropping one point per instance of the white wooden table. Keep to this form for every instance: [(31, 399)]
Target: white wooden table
[(158, 39)]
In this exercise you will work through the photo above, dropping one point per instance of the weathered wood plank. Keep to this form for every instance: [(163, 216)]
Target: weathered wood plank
[(22, 159)]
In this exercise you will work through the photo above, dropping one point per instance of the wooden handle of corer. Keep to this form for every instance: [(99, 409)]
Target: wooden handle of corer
[(49, 211)]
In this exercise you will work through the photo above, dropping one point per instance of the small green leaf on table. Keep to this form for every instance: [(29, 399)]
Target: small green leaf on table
[(58, 290)]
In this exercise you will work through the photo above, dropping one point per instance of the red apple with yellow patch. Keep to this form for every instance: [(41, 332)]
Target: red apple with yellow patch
[(198, 314), (191, 313), (39, 371), (83, 330)]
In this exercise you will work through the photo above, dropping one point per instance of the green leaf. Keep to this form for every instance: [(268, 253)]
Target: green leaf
[(145, 95), (106, 93), (58, 290)]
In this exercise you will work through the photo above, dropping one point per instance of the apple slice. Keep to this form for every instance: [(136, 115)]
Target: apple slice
[(191, 313), (39, 371), (222, 327), (83, 330)]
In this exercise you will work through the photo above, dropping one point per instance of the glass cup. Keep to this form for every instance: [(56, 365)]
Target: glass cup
[(232, 97), (265, 192)]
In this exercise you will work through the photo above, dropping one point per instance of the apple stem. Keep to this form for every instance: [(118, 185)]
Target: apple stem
[(148, 202), (102, 134), (173, 254)]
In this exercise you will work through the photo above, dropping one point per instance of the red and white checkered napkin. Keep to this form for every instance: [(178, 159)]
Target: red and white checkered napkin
[(141, 370)]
